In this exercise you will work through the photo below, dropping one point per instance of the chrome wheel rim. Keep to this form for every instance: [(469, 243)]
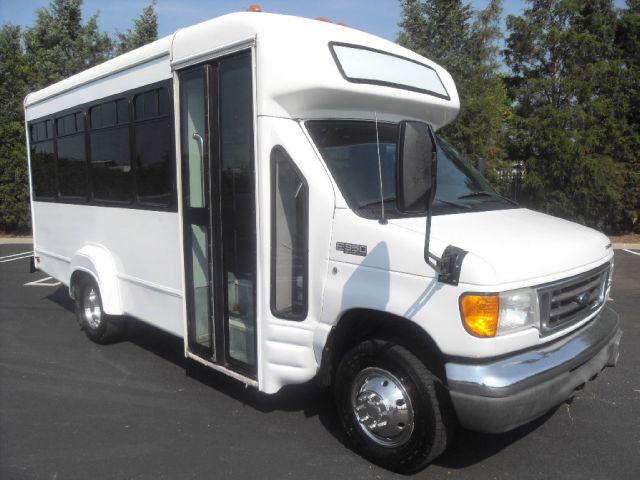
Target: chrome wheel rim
[(91, 307), (382, 407)]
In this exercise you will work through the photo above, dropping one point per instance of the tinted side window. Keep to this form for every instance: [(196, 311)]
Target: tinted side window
[(110, 153), (289, 238), (43, 169), (72, 159), (43, 161), (72, 166), (153, 148)]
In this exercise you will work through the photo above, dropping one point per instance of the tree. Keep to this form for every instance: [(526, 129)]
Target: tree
[(14, 182), (464, 41), (145, 30), (628, 41), (568, 89), (60, 45)]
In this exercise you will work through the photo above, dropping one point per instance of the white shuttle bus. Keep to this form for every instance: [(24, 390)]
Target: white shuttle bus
[(271, 189)]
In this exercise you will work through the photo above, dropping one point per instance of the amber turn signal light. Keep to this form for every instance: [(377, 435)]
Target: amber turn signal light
[(480, 314)]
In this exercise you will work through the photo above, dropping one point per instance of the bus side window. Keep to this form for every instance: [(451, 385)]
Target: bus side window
[(43, 161), (72, 157), (153, 152), (289, 238), (110, 152)]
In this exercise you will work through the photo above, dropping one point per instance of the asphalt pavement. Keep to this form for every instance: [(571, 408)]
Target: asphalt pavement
[(71, 409)]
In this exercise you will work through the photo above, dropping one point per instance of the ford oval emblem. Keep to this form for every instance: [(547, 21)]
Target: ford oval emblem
[(584, 298)]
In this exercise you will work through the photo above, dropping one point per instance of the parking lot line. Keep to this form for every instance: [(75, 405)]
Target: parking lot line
[(41, 283), (16, 255), (24, 255), (631, 251)]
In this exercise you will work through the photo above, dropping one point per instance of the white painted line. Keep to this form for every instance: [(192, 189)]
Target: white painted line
[(632, 252), (16, 258), (40, 283), (16, 255)]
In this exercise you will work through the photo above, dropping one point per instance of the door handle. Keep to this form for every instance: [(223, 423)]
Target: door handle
[(196, 136)]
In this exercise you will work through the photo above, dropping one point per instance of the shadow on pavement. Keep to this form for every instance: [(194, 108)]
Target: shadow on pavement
[(469, 448), (60, 296)]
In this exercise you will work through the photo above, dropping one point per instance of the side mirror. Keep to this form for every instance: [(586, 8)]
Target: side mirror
[(416, 168)]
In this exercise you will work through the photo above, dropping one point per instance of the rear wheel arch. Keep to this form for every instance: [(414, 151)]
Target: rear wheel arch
[(97, 262)]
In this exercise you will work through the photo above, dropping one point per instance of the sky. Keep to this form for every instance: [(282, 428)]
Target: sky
[(379, 17)]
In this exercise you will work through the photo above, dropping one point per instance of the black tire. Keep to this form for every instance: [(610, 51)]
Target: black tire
[(97, 325), (424, 420)]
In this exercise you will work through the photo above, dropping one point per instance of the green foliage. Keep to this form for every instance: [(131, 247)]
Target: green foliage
[(145, 30), (573, 125), (60, 45), (465, 42), (14, 191), (568, 110), (57, 46)]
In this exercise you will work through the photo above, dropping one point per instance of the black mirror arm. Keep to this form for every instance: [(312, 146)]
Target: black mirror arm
[(432, 260), (449, 266)]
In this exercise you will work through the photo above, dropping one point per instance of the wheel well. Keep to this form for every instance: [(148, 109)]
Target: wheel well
[(358, 325)]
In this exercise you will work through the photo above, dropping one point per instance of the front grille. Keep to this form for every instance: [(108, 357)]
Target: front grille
[(571, 300)]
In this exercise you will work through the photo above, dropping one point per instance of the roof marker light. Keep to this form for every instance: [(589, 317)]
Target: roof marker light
[(322, 19), (254, 8), (342, 24)]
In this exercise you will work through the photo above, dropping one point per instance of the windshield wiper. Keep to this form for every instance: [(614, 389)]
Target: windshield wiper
[(486, 194), (376, 202)]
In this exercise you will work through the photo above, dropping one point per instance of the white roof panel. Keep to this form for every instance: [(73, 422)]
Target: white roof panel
[(297, 75)]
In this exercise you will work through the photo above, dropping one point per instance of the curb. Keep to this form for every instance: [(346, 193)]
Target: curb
[(16, 240)]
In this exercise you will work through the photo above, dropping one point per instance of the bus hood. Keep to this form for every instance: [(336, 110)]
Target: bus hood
[(514, 246)]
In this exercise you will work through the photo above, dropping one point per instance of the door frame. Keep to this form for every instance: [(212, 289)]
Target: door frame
[(218, 357)]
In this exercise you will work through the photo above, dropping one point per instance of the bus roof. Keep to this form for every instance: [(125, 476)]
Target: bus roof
[(304, 69)]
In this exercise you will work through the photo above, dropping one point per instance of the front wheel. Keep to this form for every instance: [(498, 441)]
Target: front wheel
[(98, 326), (394, 410)]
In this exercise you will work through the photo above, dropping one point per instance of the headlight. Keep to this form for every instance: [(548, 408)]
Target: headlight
[(488, 315)]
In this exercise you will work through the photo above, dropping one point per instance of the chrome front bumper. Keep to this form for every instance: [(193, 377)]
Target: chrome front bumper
[(511, 391)]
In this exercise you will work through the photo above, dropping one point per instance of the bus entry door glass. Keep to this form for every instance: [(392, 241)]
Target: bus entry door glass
[(196, 186), (219, 211)]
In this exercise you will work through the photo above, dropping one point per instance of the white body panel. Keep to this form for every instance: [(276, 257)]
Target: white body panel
[(136, 277), (286, 347), (394, 277)]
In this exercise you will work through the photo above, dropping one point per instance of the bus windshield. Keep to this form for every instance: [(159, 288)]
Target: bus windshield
[(350, 148)]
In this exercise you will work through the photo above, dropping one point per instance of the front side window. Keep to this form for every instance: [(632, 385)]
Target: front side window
[(289, 238), (363, 165)]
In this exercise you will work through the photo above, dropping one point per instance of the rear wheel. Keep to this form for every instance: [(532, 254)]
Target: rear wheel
[(98, 326), (394, 410)]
